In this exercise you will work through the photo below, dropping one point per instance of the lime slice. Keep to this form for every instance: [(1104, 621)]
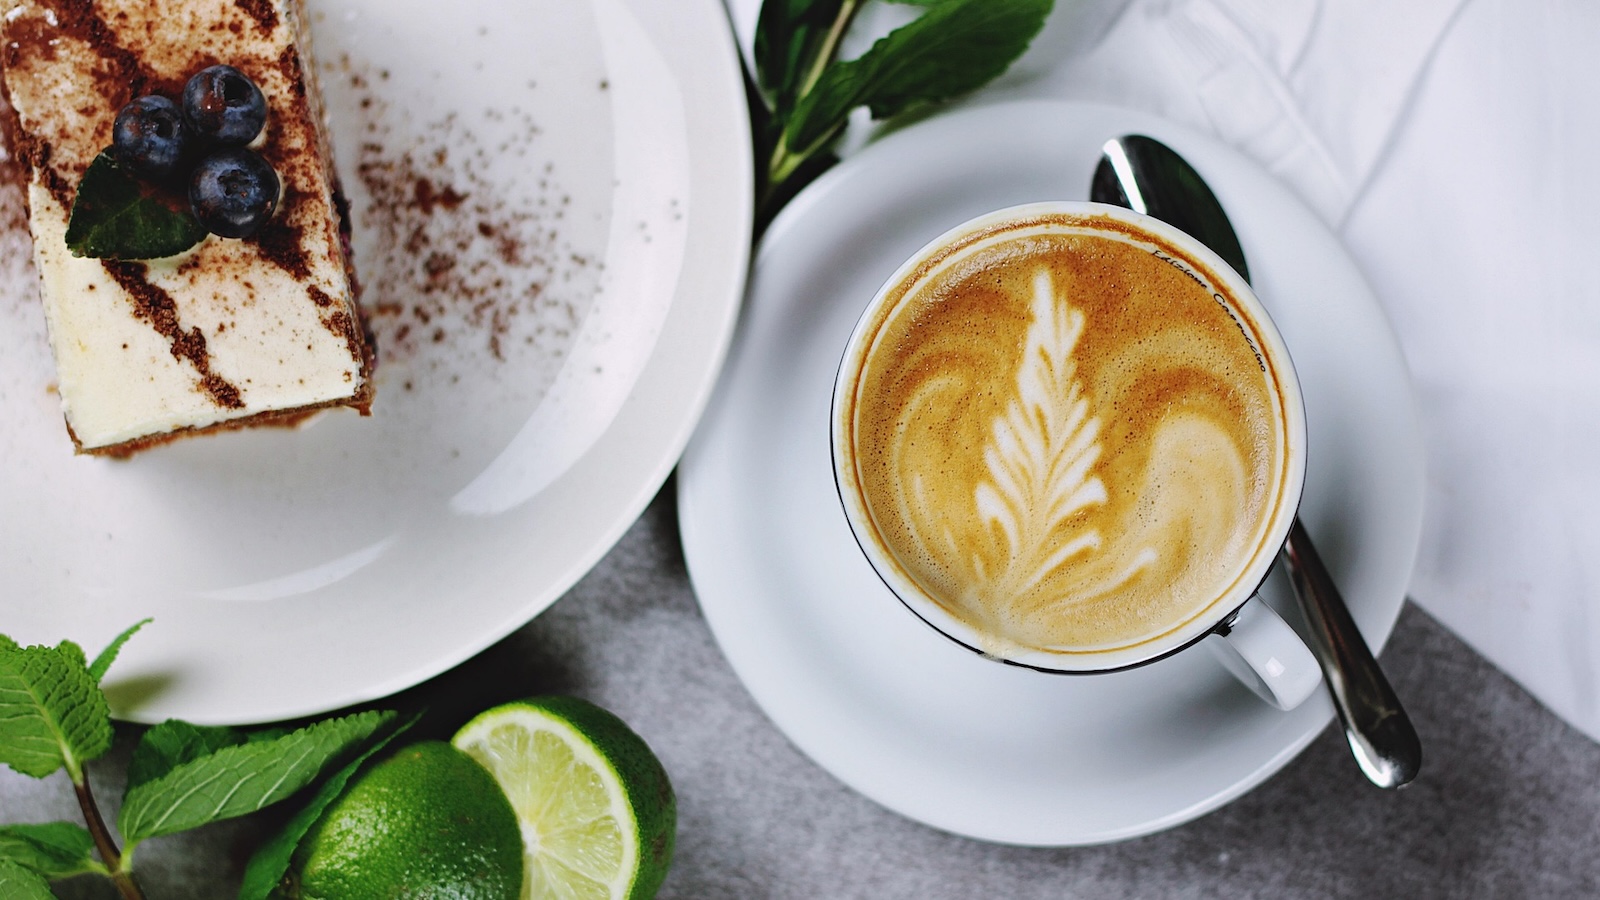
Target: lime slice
[(597, 812)]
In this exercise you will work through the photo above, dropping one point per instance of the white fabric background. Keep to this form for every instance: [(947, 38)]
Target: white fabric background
[(1453, 146)]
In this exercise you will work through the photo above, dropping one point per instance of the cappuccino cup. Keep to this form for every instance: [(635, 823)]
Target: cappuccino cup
[(1069, 437)]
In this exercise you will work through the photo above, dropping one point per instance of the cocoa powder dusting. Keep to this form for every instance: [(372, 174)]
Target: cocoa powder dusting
[(156, 306), (282, 241), (124, 75), (19, 307), (262, 11), (452, 266), (342, 324)]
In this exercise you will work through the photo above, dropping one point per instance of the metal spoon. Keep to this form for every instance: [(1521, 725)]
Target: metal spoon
[(1147, 176)]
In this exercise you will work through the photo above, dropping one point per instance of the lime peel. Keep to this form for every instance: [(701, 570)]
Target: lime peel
[(595, 806), (426, 821)]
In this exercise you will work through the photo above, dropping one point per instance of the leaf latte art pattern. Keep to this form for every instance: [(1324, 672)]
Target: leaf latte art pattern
[(1040, 458), (1029, 543)]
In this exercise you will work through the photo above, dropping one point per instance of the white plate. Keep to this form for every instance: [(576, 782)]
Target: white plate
[(882, 701), (552, 210)]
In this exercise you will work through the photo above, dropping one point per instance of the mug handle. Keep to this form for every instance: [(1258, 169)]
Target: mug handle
[(1262, 651)]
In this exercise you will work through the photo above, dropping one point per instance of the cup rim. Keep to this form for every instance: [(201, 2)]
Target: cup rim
[(1215, 272)]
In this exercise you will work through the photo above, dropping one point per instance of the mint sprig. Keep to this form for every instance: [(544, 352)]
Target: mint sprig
[(953, 47), (54, 716), (205, 785), (116, 216)]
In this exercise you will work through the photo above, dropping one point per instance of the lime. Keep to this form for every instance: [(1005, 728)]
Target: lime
[(597, 811), (425, 822)]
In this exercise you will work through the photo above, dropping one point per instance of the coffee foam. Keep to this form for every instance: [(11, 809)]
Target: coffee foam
[(1066, 437)]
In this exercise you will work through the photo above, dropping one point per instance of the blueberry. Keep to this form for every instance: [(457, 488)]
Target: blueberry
[(150, 137), (233, 192), (224, 106)]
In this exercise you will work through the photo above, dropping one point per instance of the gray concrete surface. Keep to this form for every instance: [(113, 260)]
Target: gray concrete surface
[(1508, 804)]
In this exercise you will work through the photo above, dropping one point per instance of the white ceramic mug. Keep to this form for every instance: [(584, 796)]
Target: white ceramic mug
[(1246, 634)]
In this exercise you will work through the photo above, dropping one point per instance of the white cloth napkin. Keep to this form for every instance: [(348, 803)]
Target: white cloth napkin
[(1452, 145)]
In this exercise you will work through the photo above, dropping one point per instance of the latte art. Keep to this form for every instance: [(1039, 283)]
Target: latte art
[(1066, 440)]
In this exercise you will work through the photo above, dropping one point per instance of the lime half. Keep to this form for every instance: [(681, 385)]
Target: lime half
[(597, 812), (425, 822)]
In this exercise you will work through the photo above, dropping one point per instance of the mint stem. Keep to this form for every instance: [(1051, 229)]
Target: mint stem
[(830, 46), (784, 162), (103, 842)]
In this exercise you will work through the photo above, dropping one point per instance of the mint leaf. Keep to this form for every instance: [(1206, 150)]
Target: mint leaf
[(173, 743), (185, 785), (792, 39), (55, 850), (52, 713), (73, 653), (101, 663), (18, 883), (272, 859), (114, 217), (954, 47)]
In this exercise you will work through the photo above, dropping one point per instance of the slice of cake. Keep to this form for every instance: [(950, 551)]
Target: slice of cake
[(233, 332)]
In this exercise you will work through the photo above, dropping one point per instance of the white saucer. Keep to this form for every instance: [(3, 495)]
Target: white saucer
[(882, 701)]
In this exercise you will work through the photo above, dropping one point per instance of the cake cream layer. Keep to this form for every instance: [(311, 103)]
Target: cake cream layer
[(232, 331)]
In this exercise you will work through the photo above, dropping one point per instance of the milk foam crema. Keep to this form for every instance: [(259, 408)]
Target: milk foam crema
[(1067, 438)]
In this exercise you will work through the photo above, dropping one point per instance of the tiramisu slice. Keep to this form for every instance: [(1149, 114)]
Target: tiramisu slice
[(233, 332)]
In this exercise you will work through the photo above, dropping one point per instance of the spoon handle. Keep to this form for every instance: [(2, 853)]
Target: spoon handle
[(1380, 733), (1145, 175)]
